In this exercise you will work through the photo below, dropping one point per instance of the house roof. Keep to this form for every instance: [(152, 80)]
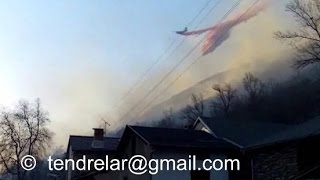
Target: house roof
[(180, 138), (84, 143), (251, 134)]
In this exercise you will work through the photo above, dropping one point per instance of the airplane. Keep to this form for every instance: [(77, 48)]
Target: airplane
[(182, 32)]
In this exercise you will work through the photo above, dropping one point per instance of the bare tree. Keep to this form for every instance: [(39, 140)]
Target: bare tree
[(23, 132), (168, 118), (226, 98), (194, 110), (253, 86), (306, 40)]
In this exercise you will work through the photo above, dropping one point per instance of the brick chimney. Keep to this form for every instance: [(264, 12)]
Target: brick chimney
[(98, 134), (98, 138)]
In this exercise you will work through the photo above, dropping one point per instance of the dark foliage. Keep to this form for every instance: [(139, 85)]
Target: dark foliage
[(292, 101)]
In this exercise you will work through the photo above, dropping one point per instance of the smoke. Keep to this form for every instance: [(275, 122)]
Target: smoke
[(243, 47), (80, 81), (251, 47), (77, 97)]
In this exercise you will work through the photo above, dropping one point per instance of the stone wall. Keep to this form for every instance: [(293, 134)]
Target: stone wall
[(279, 164)]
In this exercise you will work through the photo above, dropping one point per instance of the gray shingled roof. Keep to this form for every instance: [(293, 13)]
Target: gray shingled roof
[(84, 143), (257, 133), (182, 138)]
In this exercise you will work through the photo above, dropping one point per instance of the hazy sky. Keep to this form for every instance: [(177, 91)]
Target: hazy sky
[(79, 57)]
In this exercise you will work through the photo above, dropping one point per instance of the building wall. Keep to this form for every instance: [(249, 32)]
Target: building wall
[(69, 156), (199, 126), (223, 175), (279, 164), (106, 176), (170, 175), (79, 155), (186, 175), (140, 148)]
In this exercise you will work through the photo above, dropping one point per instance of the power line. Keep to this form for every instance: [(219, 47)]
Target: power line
[(194, 62), (143, 75), (177, 65), (169, 73)]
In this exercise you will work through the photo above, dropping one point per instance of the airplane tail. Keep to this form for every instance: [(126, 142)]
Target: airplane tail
[(185, 29), (182, 32)]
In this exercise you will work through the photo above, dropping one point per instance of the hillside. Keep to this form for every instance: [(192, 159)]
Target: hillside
[(268, 71)]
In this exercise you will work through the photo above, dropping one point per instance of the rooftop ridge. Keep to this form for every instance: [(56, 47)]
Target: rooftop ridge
[(181, 129), (84, 136)]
